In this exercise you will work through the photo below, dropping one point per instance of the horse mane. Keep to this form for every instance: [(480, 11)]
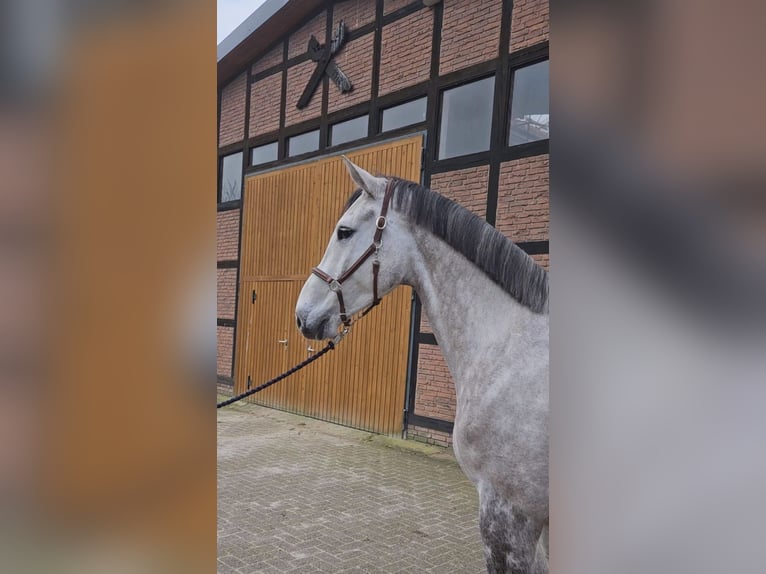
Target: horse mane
[(482, 244)]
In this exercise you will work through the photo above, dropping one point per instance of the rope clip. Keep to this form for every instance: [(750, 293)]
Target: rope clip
[(339, 337)]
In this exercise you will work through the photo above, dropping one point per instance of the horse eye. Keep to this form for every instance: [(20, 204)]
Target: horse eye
[(344, 233)]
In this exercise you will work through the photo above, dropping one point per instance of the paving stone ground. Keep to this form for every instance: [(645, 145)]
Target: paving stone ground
[(300, 495)]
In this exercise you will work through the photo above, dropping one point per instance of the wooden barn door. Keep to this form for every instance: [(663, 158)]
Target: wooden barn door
[(288, 218)]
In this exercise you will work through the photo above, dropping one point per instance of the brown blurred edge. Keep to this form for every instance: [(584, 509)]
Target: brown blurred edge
[(129, 444)]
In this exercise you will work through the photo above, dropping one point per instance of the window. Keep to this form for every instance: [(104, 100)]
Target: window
[(529, 104), (263, 154), (402, 115), (466, 119), (231, 177), (303, 143), (350, 130)]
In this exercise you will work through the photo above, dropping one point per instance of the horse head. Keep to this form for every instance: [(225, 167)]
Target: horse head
[(363, 260)]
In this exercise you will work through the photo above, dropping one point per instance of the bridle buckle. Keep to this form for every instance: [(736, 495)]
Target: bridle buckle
[(381, 222), (334, 286)]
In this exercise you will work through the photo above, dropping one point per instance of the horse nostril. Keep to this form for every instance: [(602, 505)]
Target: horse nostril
[(298, 321)]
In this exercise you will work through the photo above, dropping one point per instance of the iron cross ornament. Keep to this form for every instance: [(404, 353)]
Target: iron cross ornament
[(323, 56)]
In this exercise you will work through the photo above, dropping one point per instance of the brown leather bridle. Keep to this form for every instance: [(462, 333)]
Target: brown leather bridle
[(335, 285)]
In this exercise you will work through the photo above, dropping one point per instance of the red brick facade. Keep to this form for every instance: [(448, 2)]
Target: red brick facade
[(543, 259), (270, 59), (297, 78), (228, 235), (522, 202), (265, 98), (393, 5), (232, 127), (227, 293), (529, 23), (435, 391), (468, 187), (470, 33), (429, 436), (355, 13), (225, 348), (299, 41), (356, 62), (405, 56)]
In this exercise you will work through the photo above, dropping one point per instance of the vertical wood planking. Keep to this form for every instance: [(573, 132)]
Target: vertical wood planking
[(288, 218)]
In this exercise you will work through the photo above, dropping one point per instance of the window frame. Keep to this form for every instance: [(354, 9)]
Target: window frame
[(440, 109), (318, 131), (331, 127), (223, 154), (509, 101), (382, 110), (251, 149)]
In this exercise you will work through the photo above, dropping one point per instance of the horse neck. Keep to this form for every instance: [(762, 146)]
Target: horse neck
[(473, 319)]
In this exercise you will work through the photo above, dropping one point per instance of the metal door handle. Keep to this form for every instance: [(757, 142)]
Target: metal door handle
[(282, 342), (309, 349)]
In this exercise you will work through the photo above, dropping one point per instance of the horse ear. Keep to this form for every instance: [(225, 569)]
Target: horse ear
[(363, 179)]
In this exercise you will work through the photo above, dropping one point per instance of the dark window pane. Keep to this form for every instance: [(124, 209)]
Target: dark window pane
[(529, 105), (231, 177), (349, 130), (402, 115), (263, 154), (466, 121), (303, 143)]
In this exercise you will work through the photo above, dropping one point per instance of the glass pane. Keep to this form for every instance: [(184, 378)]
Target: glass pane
[(407, 114), (263, 154), (350, 130), (529, 105), (303, 143), (231, 177), (466, 121)]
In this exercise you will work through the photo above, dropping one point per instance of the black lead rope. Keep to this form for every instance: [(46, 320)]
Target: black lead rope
[(330, 346)]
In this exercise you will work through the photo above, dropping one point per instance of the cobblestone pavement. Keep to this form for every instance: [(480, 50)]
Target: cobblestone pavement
[(300, 495)]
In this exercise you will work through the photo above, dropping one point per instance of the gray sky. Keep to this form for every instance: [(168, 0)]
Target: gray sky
[(231, 13)]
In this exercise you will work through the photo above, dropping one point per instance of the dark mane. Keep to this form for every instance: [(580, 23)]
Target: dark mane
[(500, 258)]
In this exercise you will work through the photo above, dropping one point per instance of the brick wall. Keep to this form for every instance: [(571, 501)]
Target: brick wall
[(228, 235), (468, 187), (355, 13), (227, 293), (355, 59), (299, 41), (522, 202), (470, 33), (425, 325), (393, 5), (544, 259), (429, 436), (435, 391), (232, 126), (265, 100), (297, 78), (529, 23), (269, 59), (225, 351), (405, 57)]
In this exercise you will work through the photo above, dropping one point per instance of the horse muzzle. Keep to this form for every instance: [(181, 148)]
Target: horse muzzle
[(316, 329)]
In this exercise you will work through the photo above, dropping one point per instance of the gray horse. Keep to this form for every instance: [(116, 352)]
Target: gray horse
[(487, 302)]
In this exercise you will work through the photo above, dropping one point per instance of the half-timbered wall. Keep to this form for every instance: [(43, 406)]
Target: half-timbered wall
[(398, 51)]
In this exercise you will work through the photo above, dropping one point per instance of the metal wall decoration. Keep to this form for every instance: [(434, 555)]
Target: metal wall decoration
[(323, 55)]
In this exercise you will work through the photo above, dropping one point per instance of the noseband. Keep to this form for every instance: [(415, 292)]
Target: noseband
[(335, 285)]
